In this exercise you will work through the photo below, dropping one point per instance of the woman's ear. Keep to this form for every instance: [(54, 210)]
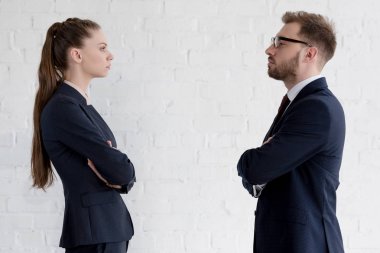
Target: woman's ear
[(75, 55)]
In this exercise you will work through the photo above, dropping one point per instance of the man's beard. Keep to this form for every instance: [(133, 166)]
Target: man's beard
[(285, 71)]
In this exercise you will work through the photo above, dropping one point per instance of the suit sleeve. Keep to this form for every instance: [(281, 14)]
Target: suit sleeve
[(303, 134), (75, 130)]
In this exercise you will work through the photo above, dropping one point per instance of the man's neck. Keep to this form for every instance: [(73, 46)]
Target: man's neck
[(289, 84)]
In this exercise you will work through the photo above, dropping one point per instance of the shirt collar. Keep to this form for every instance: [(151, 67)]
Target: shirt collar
[(293, 92), (77, 88)]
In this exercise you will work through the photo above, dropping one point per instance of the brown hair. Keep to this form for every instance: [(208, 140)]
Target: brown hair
[(316, 29), (54, 61)]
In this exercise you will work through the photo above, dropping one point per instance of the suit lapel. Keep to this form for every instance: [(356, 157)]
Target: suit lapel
[(76, 97), (309, 89)]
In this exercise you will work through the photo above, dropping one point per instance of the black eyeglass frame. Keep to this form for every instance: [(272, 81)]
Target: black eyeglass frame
[(275, 41)]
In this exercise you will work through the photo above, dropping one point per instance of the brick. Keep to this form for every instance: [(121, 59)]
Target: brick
[(219, 124), (135, 40), (248, 41), (230, 92), (6, 139), (212, 222), (34, 238), (123, 123), (10, 105), (42, 21), (192, 40), (136, 7), (170, 241), (7, 239), (170, 24), (159, 205), (33, 56), (165, 157), (167, 188), (142, 242), (224, 241), (164, 41), (52, 238), (217, 156), (244, 8), (169, 90), (220, 140), (3, 203), (11, 56), (160, 123), (166, 140), (203, 240), (219, 40), (181, 107), (224, 25), (14, 21), (15, 156), (201, 74), (38, 6), (232, 108), (48, 221), (192, 140), (156, 73), (154, 57), (166, 223), (194, 8), (85, 6), (120, 23), (215, 58), (36, 205), (10, 221), (4, 75), (5, 38)]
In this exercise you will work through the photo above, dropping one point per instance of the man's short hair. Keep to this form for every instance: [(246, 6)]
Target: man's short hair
[(316, 29)]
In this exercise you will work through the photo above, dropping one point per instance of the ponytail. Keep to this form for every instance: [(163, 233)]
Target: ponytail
[(42, 172)]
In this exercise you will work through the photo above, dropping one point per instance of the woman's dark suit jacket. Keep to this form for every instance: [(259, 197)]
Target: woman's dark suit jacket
[(73, 132)]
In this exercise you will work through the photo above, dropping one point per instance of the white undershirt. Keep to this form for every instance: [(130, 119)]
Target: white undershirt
[(83, 93), (293, 92)]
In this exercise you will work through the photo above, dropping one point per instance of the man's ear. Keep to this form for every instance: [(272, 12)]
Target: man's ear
[(75, 55), (311, 54)]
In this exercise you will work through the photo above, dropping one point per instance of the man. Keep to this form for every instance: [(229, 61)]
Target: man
[(295, 173)]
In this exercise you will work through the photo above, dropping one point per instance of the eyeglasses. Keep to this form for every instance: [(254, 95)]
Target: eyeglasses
[(276, 41)]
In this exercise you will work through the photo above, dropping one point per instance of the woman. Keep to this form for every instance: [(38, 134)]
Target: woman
[(70, 134)]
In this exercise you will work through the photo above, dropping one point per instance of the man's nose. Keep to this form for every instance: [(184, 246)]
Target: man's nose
[(270, 50)]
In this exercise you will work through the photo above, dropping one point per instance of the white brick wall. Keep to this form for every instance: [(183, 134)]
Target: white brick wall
[(185, 98)]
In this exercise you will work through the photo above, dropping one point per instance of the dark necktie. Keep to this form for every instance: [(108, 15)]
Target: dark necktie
[(284, 103)]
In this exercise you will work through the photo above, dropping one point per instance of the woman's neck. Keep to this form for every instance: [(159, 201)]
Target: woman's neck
[(80, 81)]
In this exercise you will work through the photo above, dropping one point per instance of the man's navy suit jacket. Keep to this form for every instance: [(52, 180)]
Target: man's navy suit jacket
[(296, 212), (73, 132)]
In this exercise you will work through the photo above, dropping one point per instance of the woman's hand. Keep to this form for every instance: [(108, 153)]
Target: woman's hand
[(93, 168)]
